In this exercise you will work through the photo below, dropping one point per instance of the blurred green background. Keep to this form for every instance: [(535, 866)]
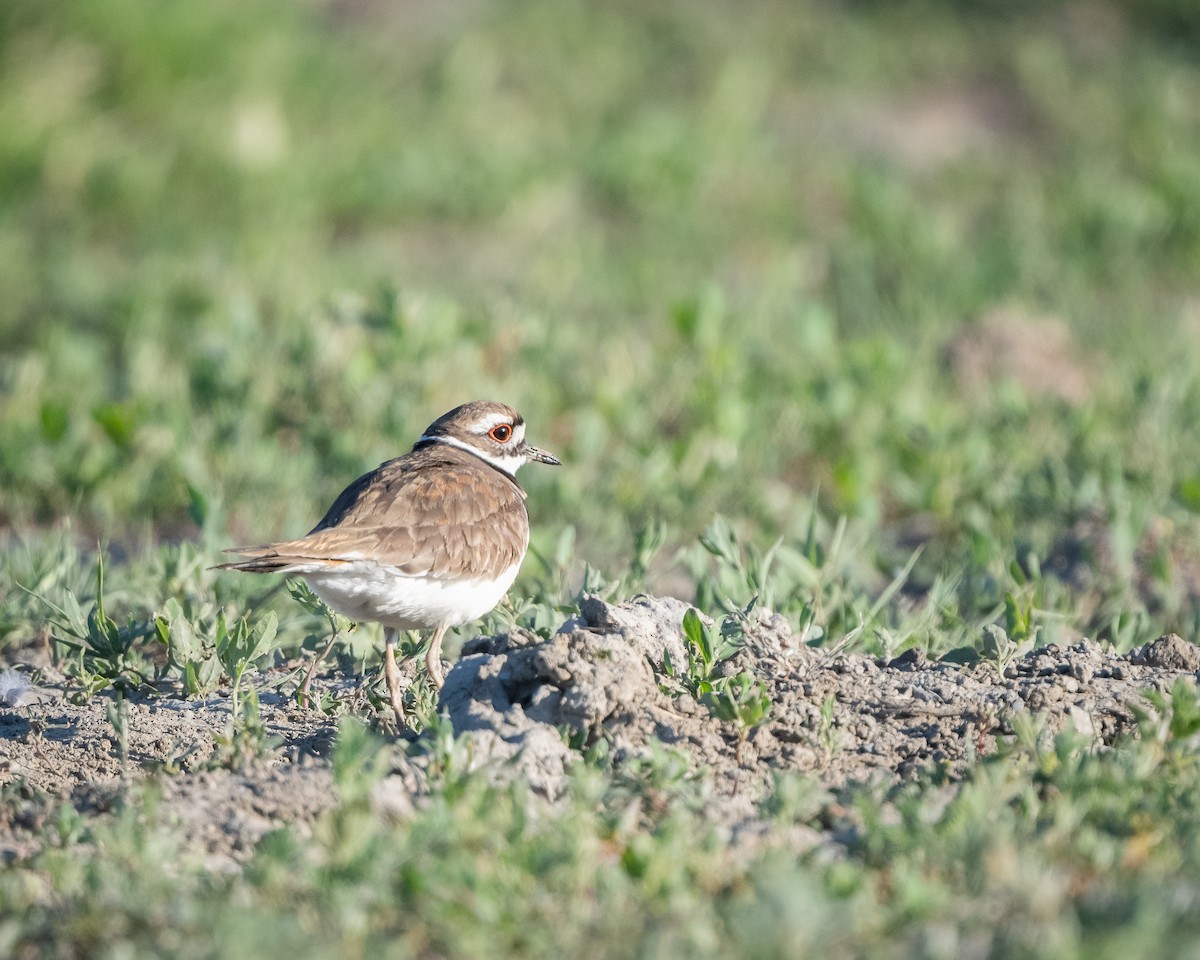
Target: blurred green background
[(931, 267)]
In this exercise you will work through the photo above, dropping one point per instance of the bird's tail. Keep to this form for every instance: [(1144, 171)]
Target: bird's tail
[(268, 559)]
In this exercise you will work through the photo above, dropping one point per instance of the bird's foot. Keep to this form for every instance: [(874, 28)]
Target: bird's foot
[(433, 663), (433, 659)]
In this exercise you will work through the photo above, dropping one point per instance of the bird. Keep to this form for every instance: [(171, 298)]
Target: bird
[(427, 541)]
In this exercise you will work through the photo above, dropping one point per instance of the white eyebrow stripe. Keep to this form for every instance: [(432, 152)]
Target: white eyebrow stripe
[(508, 464), (494, 420)]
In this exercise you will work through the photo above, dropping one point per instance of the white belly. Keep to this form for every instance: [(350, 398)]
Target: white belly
[(368, 591)]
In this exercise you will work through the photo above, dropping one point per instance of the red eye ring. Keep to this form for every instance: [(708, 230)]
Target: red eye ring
[(501, 433)]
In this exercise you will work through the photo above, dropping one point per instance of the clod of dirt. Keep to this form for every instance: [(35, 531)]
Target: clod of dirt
[(650, 625), (1171, 652)]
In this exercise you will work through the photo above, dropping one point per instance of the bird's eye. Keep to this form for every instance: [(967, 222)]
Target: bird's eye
[(501, 433)]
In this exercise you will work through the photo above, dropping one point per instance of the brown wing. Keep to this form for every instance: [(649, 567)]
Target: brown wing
[(436, 512)]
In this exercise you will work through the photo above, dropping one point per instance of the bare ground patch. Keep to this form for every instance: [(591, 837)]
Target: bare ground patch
[(532, 707)]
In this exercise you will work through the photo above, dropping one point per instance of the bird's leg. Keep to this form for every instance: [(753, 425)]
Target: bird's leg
[(392, 674), (433, 657)]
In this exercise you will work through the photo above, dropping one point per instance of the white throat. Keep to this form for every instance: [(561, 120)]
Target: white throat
[(509, 464)]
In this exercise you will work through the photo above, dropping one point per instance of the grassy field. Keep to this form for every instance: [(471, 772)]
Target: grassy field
[(886, 313)]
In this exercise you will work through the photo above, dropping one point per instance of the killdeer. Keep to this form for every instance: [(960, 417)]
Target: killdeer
[(428, 541)]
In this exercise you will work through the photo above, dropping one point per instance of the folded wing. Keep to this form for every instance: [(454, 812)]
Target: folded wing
[(443, 523)]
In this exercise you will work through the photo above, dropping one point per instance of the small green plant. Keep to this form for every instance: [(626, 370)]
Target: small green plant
[(102, 650), (245, 738), (339, 626), (1172, 718), (46, 566), (740, 570), (741, 700), (449, 755), (647, 543), (1001, 649), (193, 657), (1018, 619), (201, 661), (648, 785), (118, 716), (704, 653), (239, 647), (823, 582), (360, 759), (421, 702)]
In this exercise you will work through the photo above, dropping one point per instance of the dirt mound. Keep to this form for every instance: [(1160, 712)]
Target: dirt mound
[(515, 695), (1038, 353), (843, 718), (611, 682)]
